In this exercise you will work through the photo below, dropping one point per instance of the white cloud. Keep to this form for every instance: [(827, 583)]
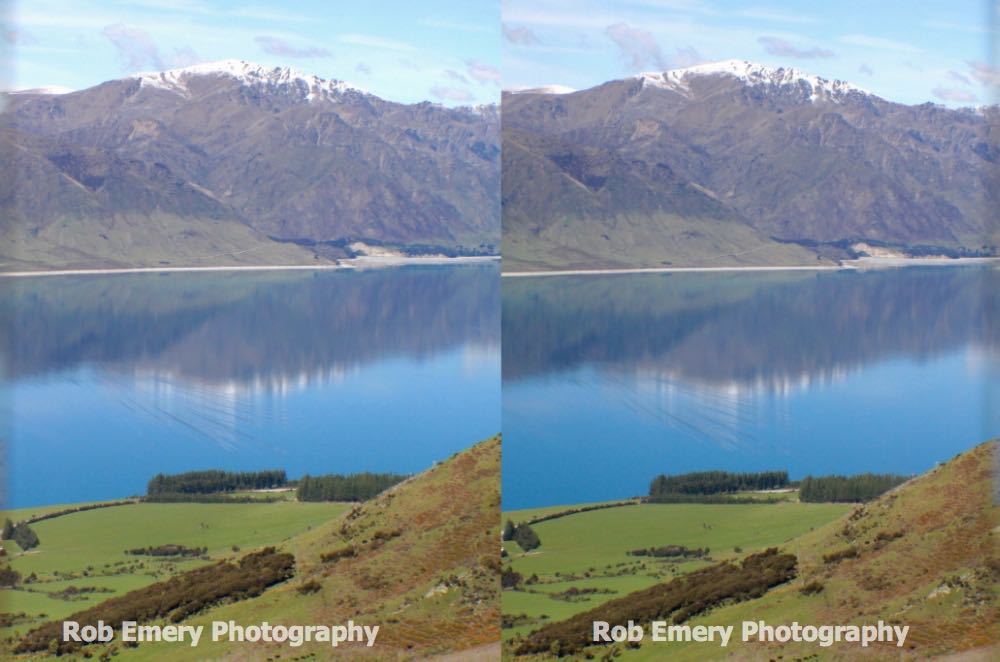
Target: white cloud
[(985, 74), (950, 94), (483, 73), (451, 93), (782, 48), (185, 57), (636, 46), (960, 78), (686, 57), (280, 47), (520, 35), (136, 47)]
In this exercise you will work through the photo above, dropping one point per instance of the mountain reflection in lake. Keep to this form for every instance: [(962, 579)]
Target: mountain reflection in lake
[(609, 380), (112, 379)]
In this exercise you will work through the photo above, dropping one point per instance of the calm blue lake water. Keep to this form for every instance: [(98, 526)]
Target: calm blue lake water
[(611, 380), (112, 379)]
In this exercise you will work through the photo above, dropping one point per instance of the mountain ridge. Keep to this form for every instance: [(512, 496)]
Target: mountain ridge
[(796, 160), (297, 167), (248, 73)]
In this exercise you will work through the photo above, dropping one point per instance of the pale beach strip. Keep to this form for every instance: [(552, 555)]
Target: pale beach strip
[(400, 260), (861, 263), (156, 270), (348, 264), (878, 262), (663, 270)]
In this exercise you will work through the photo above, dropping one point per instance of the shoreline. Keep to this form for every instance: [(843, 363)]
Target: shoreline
[(884, 262), (375, 261), (358, 263), (659, 270), (847, 265)]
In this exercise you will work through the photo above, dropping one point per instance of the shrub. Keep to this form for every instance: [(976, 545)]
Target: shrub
[(526, 537), (174, 599), (679, 599), (508, 531), (338, 554), (510, 579), (311, 586), (24, 536), (168, 550), (670, 551), (812, 588), (9, 577), (841, 554)]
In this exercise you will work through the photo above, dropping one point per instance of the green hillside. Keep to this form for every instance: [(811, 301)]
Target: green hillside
[(420, 560), (567, 207), (152, 240), (924, 555)]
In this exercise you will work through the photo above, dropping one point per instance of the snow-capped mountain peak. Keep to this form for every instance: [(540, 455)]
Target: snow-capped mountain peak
[(751, 73), (308, 86)]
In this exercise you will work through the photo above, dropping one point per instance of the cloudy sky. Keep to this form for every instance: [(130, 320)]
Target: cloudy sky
[(909, 51), (446, 51)]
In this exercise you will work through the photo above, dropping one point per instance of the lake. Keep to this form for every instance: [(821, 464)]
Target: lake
[(110, 379), (609, 380)]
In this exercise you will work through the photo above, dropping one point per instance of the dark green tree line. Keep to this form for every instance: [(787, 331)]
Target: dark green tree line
[(215, 480), (337, 487), (717, 482), (863, 487)]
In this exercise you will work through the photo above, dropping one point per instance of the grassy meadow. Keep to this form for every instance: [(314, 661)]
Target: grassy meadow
[(87, 549), (589, 550)]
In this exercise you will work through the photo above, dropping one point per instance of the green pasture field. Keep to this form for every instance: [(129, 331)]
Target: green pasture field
[(87, 549), (588, 550)]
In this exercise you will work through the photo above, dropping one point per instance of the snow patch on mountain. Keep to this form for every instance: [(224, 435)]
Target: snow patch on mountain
[(50, 89), (307, 86), (817, 87), (546, 89)]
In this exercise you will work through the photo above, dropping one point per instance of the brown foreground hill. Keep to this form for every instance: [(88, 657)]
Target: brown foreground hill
[(924, 555)]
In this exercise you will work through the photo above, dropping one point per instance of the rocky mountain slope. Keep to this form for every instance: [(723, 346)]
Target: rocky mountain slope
[(226, 160), (737, 163)]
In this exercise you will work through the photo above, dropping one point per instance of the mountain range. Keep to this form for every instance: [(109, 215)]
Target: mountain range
[(232, 162), (735, 163)]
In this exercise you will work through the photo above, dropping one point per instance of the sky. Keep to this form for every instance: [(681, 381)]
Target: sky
[(909, 52), (445, 51)]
